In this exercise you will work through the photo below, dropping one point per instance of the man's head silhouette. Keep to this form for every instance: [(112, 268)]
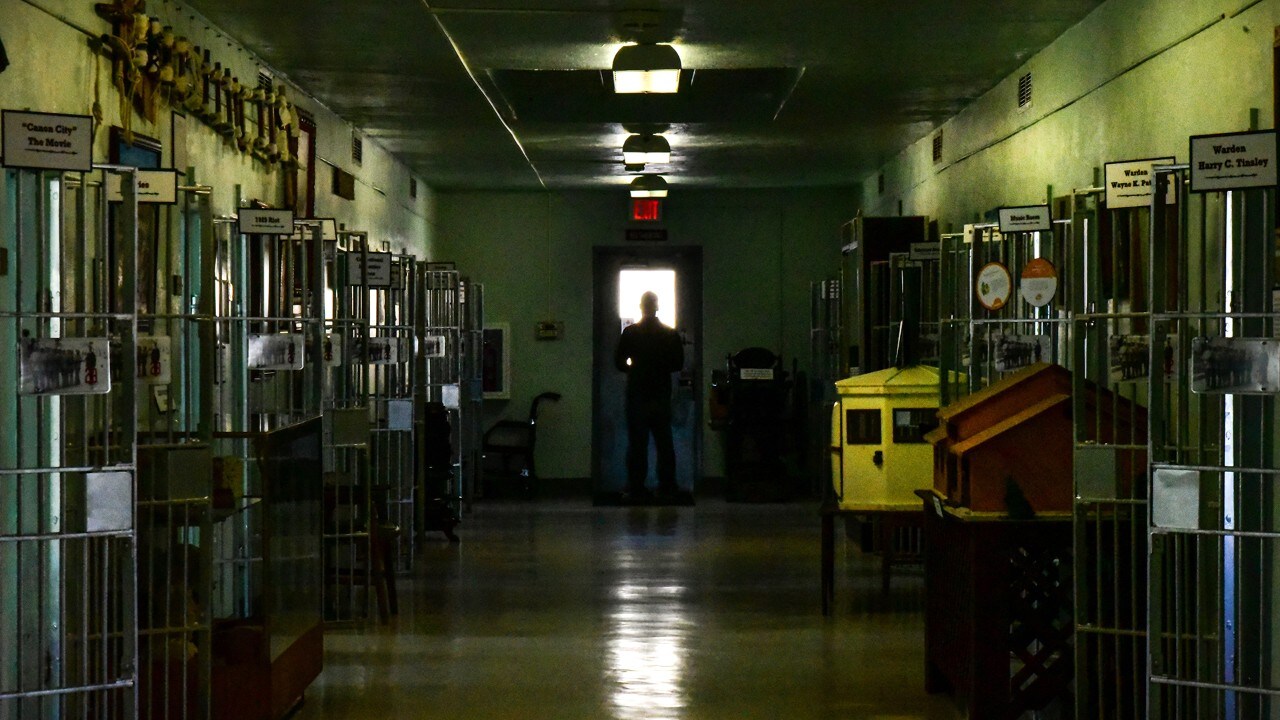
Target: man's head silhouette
[(649, 305)]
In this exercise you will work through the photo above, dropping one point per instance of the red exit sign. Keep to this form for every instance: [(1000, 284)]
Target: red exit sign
[(646, 209)]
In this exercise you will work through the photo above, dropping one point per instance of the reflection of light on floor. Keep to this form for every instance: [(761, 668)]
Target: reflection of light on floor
[(647, 648)]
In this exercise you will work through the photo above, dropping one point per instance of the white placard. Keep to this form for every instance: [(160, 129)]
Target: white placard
[(65, 366), (1131, 183), (994, 286), (48, 141), (400, 415), (451, 396), (154, 363), (155, 187), (755, 373), (377, 273), (255, 221), (1030, 218), (1233, 161), (108, 500), (926, 251), (1175, 501), (275, 351)]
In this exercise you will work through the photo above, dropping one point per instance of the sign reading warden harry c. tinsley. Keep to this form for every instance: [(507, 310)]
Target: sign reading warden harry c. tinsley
[(1233, 161), (47, 141)]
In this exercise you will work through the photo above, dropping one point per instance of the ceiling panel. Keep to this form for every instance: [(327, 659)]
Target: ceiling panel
[(856, 81)]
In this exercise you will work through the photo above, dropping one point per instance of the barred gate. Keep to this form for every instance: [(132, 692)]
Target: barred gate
[(68, 329), (392, 323), (1213, 526), (175, 364), (1111, 353), (441, 327), (978, 346), (472, 410), (348, 542)]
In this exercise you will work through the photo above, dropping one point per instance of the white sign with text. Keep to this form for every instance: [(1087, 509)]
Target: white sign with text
[(255, 221), (48, 141), (1031, 218), (1131, 183), (155, 187), (1234, 161)]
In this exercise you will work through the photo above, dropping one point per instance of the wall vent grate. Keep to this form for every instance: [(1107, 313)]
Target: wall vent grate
[(880, 183), (357, 149), (937, 147), (1024, 91), (413, 188)]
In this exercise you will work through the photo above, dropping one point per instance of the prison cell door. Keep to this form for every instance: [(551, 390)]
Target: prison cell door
[(609, 428), (472, 436), (986, 334), (392, 324), (348, 544), (68, 327), (441, 334), (1111, 352), (268, 306), (1213, 519), (175, 364)]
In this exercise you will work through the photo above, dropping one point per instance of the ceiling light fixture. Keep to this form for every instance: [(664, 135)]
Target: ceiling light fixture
[(649, 186), (642, 149), (646, 68)]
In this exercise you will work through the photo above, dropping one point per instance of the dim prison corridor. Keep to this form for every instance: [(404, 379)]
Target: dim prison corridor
[(559, 610)]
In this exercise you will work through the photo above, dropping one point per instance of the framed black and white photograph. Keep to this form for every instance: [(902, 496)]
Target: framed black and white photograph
[(1014, 352), (275, 351), (65, 366), (1235, 366)]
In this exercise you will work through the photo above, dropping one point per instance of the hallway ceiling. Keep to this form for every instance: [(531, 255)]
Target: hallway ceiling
[(512, 94)]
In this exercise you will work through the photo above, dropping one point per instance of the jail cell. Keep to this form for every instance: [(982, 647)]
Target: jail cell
[(68, 334), (348, 544), (992, 326), (267, 381), (391, 389), (1213, 525), (472, 380), (440, 336), (1111, 351), (175, 502)]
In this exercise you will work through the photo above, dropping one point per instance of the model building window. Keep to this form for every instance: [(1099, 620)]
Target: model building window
[(911, 424), (862, 427)]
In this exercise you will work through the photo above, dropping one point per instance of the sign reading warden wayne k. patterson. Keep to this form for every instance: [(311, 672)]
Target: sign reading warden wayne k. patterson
[(45, 141), (1234, 161)]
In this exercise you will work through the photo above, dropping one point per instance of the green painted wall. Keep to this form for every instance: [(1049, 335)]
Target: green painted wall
[(533, 252), (1134, 79), (53, 70)]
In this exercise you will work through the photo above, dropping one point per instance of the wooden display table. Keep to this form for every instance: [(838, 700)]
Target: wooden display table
[(998, 608), (887, 518)]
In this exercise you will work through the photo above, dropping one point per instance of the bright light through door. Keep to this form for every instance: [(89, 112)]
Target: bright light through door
[(634, 283)]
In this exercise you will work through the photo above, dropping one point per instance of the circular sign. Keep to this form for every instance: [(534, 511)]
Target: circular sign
[(994, 286), (1039, 282)]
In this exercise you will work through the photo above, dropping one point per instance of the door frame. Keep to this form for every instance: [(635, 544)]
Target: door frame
[(688, 261)]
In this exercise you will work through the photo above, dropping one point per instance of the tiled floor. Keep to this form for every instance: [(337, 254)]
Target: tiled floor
[(564, 611)]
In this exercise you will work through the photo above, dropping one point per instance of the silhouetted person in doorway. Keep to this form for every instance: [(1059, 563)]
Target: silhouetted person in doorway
[(648, 353)]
